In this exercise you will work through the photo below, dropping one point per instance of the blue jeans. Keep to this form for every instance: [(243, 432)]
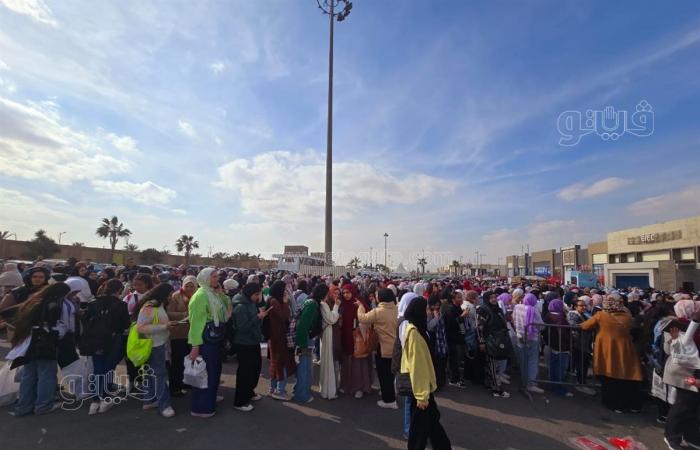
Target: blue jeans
[(280, 386), (157, 382), (407, 415), (103, 368), (37, 387), (558, 365), (529, 352), (302, 390)]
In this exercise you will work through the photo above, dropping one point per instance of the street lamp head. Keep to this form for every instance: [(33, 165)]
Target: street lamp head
[(333, 7)]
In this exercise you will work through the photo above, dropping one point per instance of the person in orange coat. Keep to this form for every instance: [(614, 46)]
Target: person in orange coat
[(615, 358)]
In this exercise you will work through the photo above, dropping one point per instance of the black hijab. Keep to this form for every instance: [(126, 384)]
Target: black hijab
[(417, 314)]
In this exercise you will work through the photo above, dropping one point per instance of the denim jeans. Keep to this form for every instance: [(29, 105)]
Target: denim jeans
[(157, 383), (529, 352), (280, 386), (558, 366), (37, 387), (302, 390), (103, 368), (407, 405)]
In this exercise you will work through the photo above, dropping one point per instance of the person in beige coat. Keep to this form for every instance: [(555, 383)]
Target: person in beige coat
[(177, 312), (384, 320)]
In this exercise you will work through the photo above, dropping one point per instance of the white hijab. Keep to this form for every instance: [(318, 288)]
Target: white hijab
[(406, 300), (204, 281)]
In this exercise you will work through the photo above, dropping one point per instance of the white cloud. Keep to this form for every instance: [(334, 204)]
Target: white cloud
[(36, 144), (36, 9), (3, 65), (8, 85), (283, 186), (550, 227), (684, 202), (580, 190), (147, 192), (217, 67), (186, 128), (126, 144), (53, 199)]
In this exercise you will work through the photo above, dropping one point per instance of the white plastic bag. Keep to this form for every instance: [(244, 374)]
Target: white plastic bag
[(75, 377), (196, 373), (9, 388)]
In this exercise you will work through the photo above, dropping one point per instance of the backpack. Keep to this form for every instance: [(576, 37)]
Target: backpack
[(294, 316), (97, 330)]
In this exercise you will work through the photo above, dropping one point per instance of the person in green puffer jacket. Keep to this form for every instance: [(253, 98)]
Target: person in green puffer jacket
[(248, 314)]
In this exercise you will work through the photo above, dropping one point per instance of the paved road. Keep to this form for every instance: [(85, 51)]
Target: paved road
[(472, 418)]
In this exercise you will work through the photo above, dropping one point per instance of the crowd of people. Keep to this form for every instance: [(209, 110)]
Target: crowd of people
[(416, 336)]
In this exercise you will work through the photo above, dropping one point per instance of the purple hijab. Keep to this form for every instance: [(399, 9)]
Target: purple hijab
[(530, 301)]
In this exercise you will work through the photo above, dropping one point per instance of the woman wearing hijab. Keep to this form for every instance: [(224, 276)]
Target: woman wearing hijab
[(401, 325), (356, 373), (492, 325), (35, 347), (558, 338), (153, 322), (207, 309), (417, 362), (328, 380), (10, 278), (527, 320), (280, 358), (681, 367), (179, 348), (596, 304), (615, 358), (34, 279)]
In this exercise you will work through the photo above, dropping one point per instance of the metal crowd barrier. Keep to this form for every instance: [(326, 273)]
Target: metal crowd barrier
[(564, 356)]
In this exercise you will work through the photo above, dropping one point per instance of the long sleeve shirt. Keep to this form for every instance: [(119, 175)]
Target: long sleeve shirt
[(309, 315), (417, 362), (157, 330), (199, 313), (384, 319), (682, 349)]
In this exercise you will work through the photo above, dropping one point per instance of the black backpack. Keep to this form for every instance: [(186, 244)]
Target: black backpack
[(97, 329)]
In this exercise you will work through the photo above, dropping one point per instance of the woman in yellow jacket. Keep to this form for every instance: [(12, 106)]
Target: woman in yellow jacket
[(417, 362)]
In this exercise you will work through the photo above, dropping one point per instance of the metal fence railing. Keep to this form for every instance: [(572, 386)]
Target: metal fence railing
[(556, 357)]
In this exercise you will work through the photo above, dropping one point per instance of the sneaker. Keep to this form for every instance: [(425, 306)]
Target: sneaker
[(105, 406), (569, 395), (245, 408), (453, 383), (311, 399), (661, 420), (504, 380), (94, 409), (586, 390), (359, 394), (53, 408), (279, 396), (202, 416), (618, 411), (341, 390), (535, 389), (463, 385), (501, 394), (384, 405), (635, 411), (219, 398), (506, 376), (672, 446), (168, 412), (149, 406), (256, 398)]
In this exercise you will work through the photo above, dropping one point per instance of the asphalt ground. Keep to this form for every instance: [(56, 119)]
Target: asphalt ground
[(472, 418)]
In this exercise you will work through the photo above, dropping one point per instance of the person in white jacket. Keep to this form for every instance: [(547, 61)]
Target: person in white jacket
[(328, 380)]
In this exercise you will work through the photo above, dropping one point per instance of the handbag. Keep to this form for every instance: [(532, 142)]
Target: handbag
[(195, 373), (214, 334), (138, 346), (9, 387), (44, 344), (403, 385), (498, 345), (363, 343)]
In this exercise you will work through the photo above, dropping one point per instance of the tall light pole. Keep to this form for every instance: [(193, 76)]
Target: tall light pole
[(386, 236), (330, 7), (59, 236)]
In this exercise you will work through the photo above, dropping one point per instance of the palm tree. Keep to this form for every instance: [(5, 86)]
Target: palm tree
[(422, 262), (112, 229), (220, 255), (354, 263), (186, 243), (455, 265), (78, 244), (4, 235), (131, 247)]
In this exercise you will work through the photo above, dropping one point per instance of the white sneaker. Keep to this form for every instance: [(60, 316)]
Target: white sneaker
[(219, 398), (586, 390), (569, 395), (535, 389), (359, 394), (278, 396), (384, 405), (504, 380), (257, 398), (94, 409), (168, 412), (105, 406), (246, 408)]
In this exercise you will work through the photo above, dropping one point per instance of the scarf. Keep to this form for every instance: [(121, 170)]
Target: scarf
[(405, 302), (686, 308), (527, 314), (215, 306), (613, 304)]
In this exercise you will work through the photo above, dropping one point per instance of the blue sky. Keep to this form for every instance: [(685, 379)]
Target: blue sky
[(208, 118)]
